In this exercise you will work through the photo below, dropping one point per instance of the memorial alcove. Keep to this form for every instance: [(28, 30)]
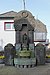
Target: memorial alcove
[(24, 23)]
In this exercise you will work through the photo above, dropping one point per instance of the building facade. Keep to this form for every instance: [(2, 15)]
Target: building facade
[(7, 31)]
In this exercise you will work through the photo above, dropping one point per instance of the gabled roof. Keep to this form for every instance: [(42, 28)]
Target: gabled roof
[(8, 14), (40, 27)]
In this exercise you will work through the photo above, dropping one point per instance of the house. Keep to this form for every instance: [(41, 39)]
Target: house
[(7, 31)]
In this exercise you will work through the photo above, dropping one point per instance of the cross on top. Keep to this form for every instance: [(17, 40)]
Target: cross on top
[(24, 4)]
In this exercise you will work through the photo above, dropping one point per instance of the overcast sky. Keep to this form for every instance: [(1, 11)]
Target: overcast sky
[(39, 8)]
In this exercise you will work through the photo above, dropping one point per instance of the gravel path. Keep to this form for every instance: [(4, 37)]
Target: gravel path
[(39, 70)]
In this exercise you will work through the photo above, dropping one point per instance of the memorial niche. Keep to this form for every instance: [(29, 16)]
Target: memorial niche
[(25, 38), (24, 30)]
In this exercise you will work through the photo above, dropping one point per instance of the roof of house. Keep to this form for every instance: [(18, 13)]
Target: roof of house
[(8, 14), (39, 26)]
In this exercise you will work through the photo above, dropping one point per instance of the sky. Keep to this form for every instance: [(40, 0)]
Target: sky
[(39, 8)]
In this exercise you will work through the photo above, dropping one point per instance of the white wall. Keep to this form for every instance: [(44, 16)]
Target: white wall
[(9, 36), (6, 36)]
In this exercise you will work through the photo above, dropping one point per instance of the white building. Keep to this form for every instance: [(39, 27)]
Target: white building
[(7, 31)]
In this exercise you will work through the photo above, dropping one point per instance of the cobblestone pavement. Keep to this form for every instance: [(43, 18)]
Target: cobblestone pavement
[(39, 70)]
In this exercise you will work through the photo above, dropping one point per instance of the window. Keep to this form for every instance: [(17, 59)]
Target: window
[(8, 25)]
